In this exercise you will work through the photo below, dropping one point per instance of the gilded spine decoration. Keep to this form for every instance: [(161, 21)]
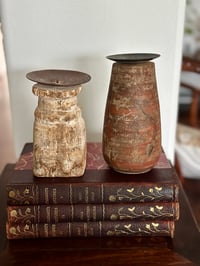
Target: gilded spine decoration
[(92, 193), (91, 229), (92, 212)]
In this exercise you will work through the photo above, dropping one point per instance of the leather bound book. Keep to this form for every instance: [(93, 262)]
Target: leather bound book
[(99, 184), (94, 187), (183, 249), (92, 212), (91, 229)]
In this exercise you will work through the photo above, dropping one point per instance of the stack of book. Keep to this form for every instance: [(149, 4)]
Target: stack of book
[(101, 203)]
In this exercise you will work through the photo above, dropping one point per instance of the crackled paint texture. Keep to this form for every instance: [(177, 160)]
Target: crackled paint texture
[(59, 137), (132, 131)]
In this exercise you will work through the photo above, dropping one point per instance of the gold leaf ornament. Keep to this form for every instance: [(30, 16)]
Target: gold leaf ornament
[(26, 227), (12, 230), (131, 209), (148, 226), (112, 198), (13, 213), (155, 224), (28, 210), (26, 191), (113, 217), (158, 188), (11, 194), (159, 207), (130, 190), (128, 226)]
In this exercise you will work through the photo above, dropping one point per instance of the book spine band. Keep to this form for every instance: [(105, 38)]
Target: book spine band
[(92, 212), (91, 229), (27, 194)]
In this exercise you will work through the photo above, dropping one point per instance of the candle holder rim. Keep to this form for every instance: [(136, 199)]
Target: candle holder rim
[(58, 77), (132, 57)]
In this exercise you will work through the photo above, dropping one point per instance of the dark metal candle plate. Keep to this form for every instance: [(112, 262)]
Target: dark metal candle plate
[(132, 58), (56, 77)]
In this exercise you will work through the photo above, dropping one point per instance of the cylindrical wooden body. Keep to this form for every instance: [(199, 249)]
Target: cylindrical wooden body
[(132, 130), (59, 135)]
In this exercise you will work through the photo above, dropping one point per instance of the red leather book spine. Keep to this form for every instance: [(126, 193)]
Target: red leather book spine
[(92, 229)]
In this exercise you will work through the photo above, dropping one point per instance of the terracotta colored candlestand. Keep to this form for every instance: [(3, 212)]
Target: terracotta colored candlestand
[(132, 130), (59, 135)]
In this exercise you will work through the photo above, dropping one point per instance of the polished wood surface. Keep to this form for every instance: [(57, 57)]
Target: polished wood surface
[(183, 249)]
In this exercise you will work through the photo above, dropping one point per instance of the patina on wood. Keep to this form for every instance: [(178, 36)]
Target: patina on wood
[(59, 134), (132, 131)]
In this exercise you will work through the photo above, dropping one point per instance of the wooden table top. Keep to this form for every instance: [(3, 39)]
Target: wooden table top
[(183, 249)]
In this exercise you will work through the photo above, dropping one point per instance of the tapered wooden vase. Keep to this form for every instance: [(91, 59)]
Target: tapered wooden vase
[(132, 129), (59, 135)]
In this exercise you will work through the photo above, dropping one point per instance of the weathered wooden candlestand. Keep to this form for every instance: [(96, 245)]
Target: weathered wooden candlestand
[(132, 130), (59, 135)]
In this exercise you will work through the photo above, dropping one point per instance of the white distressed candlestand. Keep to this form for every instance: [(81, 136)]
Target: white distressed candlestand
[(59, 135)]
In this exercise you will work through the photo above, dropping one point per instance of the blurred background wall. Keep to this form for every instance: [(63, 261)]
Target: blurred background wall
[(78, 35)]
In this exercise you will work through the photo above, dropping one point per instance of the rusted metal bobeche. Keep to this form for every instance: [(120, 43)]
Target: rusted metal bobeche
[(132, 130), (59, 135)]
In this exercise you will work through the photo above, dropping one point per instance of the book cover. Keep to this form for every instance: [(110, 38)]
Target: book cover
[(92, 212), (99, 184), (91, 229)]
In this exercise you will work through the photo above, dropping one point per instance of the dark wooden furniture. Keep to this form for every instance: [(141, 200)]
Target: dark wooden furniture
[(192, 190), (192, 65), (183, 249)]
